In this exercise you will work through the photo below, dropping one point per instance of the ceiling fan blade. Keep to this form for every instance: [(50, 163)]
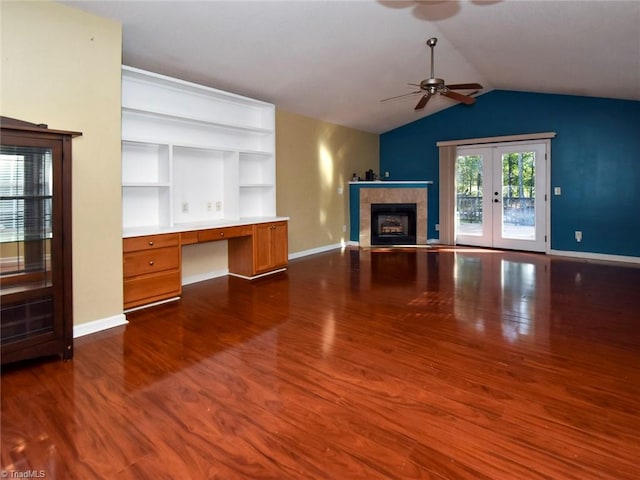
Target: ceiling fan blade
[(465, 86), (423, 101), (459, 97), (400, 96)]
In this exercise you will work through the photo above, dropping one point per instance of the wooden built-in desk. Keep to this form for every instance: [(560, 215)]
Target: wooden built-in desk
[(153, 262)]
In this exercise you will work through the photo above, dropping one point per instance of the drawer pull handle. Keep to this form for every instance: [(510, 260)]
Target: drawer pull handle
[(151, 262), (151, 244), (222, 234)]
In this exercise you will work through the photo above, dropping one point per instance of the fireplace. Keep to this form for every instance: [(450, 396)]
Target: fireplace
[(388, 193), (393, 224)]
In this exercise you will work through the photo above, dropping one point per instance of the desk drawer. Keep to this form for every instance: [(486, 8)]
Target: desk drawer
[(143, 290), (151, 261), (189, 238), (149, 242), (223, 233)]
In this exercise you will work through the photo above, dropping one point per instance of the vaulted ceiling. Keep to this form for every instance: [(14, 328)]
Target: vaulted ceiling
[(335, 60)]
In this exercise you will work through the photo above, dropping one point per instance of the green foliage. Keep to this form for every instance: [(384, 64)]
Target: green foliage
[(469, 175), (518, 175)]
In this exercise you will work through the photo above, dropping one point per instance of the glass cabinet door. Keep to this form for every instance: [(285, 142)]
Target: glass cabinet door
[(28, 239)]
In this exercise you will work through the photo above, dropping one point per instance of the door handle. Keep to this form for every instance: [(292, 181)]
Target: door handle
[(496, 200)]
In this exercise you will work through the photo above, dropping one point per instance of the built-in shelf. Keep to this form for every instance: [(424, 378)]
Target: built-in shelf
[(159, 115), (193, 154)]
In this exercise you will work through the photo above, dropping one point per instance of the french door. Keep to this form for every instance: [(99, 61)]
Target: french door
[(501, 196)]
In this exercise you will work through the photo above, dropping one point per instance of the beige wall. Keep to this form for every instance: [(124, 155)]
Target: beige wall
[(314, 160), (61, 66)]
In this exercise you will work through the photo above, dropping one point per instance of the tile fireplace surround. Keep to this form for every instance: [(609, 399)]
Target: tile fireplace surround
[(392, 195)]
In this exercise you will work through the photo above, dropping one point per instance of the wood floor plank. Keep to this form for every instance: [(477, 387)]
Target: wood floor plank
[(438, 363)]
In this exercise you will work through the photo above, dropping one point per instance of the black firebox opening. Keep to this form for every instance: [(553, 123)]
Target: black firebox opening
[(393, 224)]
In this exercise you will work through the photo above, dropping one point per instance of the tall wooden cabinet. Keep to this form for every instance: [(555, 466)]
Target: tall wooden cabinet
[(35, 239)]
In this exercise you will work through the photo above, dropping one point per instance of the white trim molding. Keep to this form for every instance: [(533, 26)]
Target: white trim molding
[(153, 304), (260, 275), (595, 256), (99, 325), (201, 277), (501, 139), (313, 251)]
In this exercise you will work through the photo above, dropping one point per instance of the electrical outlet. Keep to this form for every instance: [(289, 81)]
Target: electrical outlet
[(185, 207), (209, 206), (344, 228), (578, 236), (218, 206), (437, 227)]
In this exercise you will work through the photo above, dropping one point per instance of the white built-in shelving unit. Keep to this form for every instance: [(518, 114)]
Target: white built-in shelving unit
[(192, 154)]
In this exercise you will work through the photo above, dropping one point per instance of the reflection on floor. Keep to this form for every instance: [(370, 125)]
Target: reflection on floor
[(373, 363)]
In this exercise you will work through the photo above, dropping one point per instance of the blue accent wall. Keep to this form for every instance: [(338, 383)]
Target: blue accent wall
[(595, 159)]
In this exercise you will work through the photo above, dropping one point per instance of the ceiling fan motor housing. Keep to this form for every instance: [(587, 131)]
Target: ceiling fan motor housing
[(432, 85)]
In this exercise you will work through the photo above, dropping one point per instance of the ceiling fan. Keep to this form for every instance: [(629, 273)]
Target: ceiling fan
[(432, 86)]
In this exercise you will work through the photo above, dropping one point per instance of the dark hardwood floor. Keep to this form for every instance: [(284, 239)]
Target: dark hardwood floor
[(387, 364)]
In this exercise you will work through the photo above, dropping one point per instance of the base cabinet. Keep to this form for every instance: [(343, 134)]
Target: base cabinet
[(151, 269), (153, 263), (270, 246), (265, 251)]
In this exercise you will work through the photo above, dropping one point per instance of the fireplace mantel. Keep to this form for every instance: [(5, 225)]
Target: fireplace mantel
[(363, 194)]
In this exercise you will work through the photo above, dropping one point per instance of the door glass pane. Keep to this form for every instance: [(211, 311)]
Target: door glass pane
[(469, 179), (25, 240), (518, 195)]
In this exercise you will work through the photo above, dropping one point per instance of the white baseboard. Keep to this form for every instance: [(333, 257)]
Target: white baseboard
[(153, 304), (595, 256), (204, 276), (430, 241), (99, 325), (313, 251), (258, 276)]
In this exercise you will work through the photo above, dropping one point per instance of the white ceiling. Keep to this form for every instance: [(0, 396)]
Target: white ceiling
[(335, 60)]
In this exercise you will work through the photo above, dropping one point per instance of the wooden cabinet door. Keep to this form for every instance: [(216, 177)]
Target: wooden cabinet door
[(280, 245), (262, 242), (270, 246)]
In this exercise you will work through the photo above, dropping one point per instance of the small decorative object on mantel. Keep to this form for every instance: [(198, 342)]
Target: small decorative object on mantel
[(369, 175), (355, 177)]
